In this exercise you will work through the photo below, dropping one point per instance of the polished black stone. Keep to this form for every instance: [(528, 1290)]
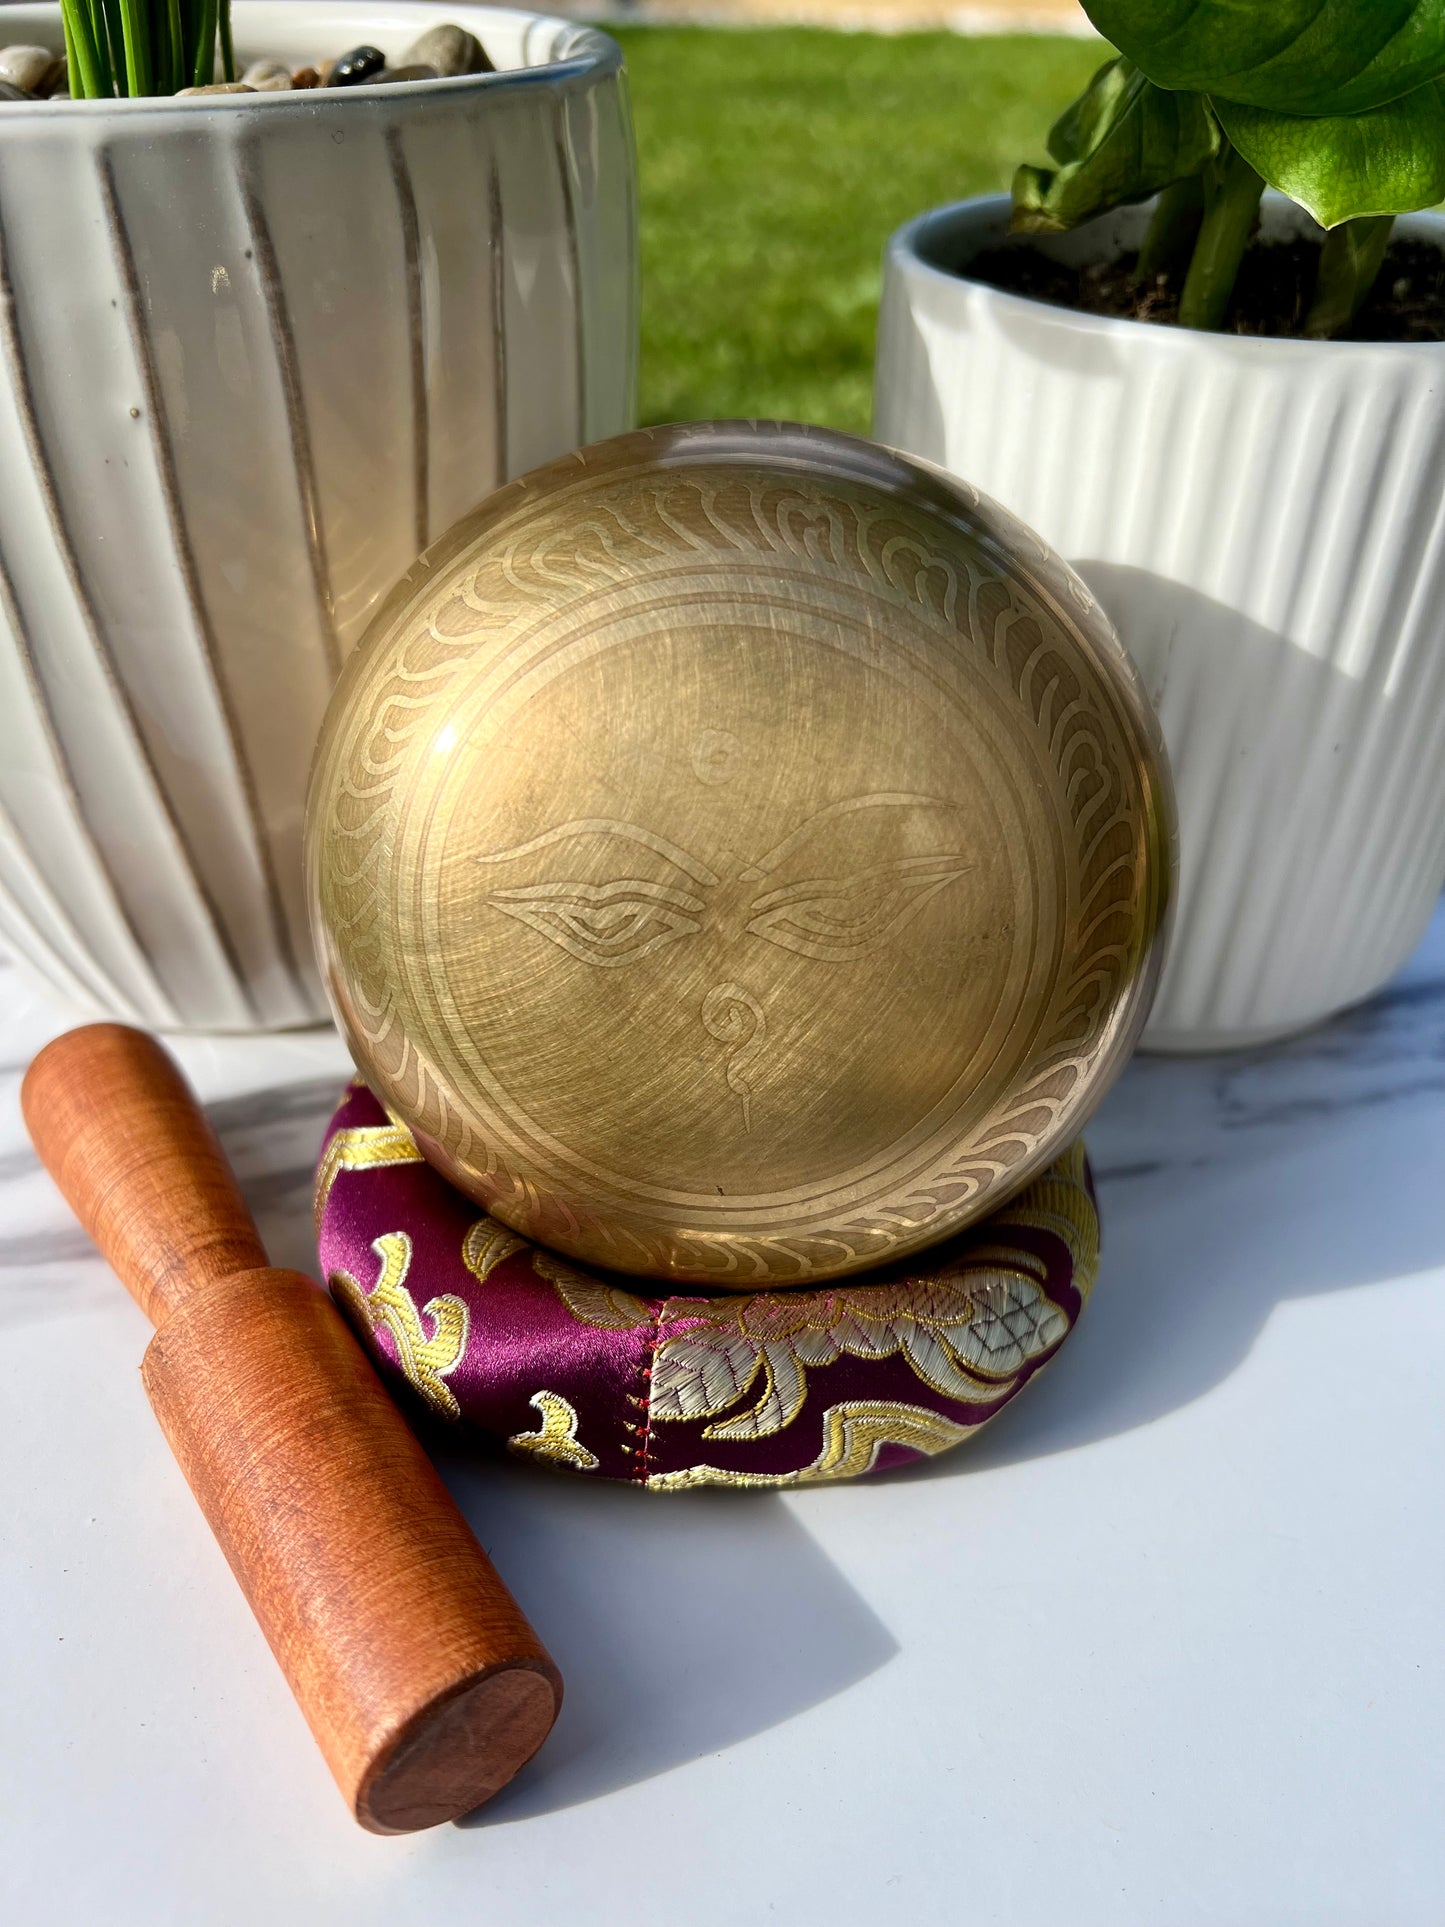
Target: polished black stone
[(361, 64)]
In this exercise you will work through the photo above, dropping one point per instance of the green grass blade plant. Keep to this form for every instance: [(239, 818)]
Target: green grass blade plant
[(120, 48), (178, 75), (99, 29), (138, 73), (82, 56), (110, 16), (228, 52), (202, 64)]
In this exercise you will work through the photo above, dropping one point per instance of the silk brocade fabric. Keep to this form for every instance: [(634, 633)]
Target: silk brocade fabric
[(601, 1377)]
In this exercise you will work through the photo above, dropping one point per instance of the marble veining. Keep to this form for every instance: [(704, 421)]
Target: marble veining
[(1175, 1113)]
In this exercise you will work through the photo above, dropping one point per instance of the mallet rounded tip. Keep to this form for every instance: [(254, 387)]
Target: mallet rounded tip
[(460, 1750)]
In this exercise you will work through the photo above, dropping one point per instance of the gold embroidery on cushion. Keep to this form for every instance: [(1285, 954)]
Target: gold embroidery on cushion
[(365, 1147), (1059, 1202), (590, 1301), (425, 1360), (854, 1434), (557, 1439), (966, 1334), (486, 1245)]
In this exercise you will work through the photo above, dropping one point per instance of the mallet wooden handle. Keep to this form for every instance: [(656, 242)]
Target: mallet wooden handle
[(117, 1128), (422, 1681)]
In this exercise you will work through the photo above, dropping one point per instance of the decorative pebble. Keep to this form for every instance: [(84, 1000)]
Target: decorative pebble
[(268, 77), (30, 68), (390, 75), (451, 50), (35, 73), (357, 67)]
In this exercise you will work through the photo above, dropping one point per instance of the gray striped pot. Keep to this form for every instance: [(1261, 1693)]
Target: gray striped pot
[(1264, 519), (255, 352)]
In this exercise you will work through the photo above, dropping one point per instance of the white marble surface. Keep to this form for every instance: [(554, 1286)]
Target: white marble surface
[(1163, 1647)]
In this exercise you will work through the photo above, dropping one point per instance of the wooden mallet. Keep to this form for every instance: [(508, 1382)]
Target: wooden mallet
[(422, 1681)]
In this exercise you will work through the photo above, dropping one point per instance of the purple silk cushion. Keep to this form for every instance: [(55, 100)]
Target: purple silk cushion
[(581, 1370)]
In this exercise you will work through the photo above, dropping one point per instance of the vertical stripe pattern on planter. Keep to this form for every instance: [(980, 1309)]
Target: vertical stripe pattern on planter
[(252, 360), (1263, 520)]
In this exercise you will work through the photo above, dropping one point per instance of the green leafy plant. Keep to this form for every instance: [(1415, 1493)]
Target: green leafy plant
[(1340, 104), (129, 47)]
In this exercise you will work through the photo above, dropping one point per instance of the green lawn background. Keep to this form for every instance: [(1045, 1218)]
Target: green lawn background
[(774, 164)]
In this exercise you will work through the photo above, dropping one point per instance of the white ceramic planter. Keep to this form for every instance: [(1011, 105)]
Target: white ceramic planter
[(1265, 522), (254, 353)]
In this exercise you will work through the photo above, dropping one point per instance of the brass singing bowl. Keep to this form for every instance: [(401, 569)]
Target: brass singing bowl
[(740, 854)]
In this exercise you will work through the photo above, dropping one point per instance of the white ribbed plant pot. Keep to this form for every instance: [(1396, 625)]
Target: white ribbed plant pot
[(257, 352), (1265, 522)]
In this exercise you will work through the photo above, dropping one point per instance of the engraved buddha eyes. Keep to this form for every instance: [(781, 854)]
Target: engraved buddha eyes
[(604, 923), (833, 919), (839, 920)]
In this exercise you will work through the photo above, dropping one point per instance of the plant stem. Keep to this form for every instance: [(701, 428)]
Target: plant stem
[(1173, 228), (166, 26), (176, 73), (1231, 201), (191, 11), (79, 52), (72, 58), (152, 26), (1349, 262), (203, 60), (105, 46), (137, 47), (99, 42), (115, 42)]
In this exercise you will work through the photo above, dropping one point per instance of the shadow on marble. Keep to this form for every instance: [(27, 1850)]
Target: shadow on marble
[(273, 1139), (678, 1632), (1230, 1185)]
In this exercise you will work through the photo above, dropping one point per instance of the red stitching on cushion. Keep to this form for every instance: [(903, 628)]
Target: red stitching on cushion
[(645, 1445)]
